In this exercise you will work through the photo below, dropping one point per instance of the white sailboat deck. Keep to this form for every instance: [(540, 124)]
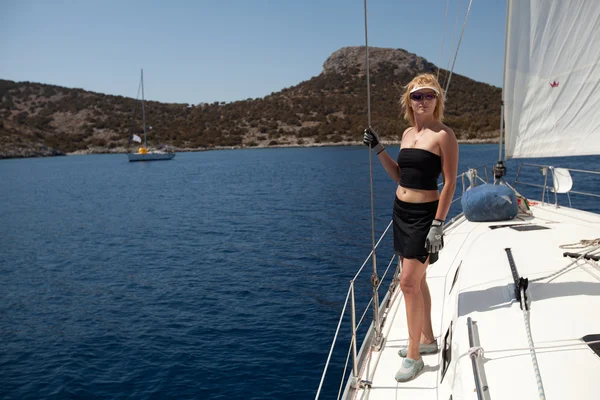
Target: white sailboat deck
[(563, 309)]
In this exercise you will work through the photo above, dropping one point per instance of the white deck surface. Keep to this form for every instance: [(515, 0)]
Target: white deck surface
[(562, 310)]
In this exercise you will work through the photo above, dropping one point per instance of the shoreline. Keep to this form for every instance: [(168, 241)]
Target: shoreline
[(121, 150), (36, 153)]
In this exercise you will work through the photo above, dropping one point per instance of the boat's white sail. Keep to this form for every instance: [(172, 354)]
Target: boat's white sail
[(552, 78)]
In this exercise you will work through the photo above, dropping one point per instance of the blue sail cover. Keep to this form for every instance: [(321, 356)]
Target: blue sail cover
[(490, 203)]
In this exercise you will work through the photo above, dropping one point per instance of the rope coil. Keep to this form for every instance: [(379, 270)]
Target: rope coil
[(582, 244)]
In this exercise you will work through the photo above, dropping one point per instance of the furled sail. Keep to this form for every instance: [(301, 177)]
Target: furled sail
[(552, 78)]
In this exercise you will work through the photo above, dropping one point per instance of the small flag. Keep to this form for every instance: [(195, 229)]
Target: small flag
[(136, 138)]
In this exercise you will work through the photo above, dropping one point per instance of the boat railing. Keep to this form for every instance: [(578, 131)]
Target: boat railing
[(564, 179), (469, 178), (355, 324)]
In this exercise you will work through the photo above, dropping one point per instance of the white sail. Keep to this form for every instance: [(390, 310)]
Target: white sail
[(552, 78)]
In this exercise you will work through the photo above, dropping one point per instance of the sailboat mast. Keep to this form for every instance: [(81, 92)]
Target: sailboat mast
[(499, 170), (503, 81), (144, 111)]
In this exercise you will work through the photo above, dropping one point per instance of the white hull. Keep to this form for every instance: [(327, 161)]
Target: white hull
[(563, 309), (150, 156)]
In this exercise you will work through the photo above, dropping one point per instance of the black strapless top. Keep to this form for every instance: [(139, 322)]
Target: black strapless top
[(419, 169)]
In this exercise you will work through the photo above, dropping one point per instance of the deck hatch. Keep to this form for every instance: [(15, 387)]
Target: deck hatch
[(520, 227), (594, 346), (492, 227), (525, 228)]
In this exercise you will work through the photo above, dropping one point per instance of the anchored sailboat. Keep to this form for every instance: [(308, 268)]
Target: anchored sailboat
[(144, 153), (514, 302)]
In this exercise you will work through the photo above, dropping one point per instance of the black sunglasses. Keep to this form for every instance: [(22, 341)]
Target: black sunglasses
[(422, 96)]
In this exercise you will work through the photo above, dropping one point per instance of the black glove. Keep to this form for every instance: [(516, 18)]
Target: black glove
[(371, 139), (435, 237)]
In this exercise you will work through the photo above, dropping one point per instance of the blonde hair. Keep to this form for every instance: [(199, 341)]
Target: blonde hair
[(423, 80)]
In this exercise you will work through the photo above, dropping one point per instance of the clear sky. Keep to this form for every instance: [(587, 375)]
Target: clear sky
[(227, 50)]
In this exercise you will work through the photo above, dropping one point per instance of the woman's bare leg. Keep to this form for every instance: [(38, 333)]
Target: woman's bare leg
[(427, 331), (410, 283)]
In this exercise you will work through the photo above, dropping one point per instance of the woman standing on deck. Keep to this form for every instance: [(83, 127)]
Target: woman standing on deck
[(427, 149)]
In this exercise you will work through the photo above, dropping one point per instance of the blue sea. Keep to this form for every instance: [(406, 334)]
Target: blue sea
[(217, 275)]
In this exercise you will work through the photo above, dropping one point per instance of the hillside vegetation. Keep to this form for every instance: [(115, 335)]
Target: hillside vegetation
[(39, 119)]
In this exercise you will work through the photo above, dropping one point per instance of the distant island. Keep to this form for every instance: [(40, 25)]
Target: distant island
[(328, 109)]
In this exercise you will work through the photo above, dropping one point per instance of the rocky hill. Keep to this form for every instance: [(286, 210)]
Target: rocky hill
[(331, 108)]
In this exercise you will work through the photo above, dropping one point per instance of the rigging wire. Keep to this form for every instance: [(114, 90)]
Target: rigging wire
[(135, 106), (374, 278), (443, 37), (337, 331), (369, 125), (453, 40), (458, 46)]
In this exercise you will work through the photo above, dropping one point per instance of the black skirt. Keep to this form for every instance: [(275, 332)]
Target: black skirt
[(412, 222)]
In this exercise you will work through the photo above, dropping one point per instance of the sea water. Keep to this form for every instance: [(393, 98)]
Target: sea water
[(216, 275)]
